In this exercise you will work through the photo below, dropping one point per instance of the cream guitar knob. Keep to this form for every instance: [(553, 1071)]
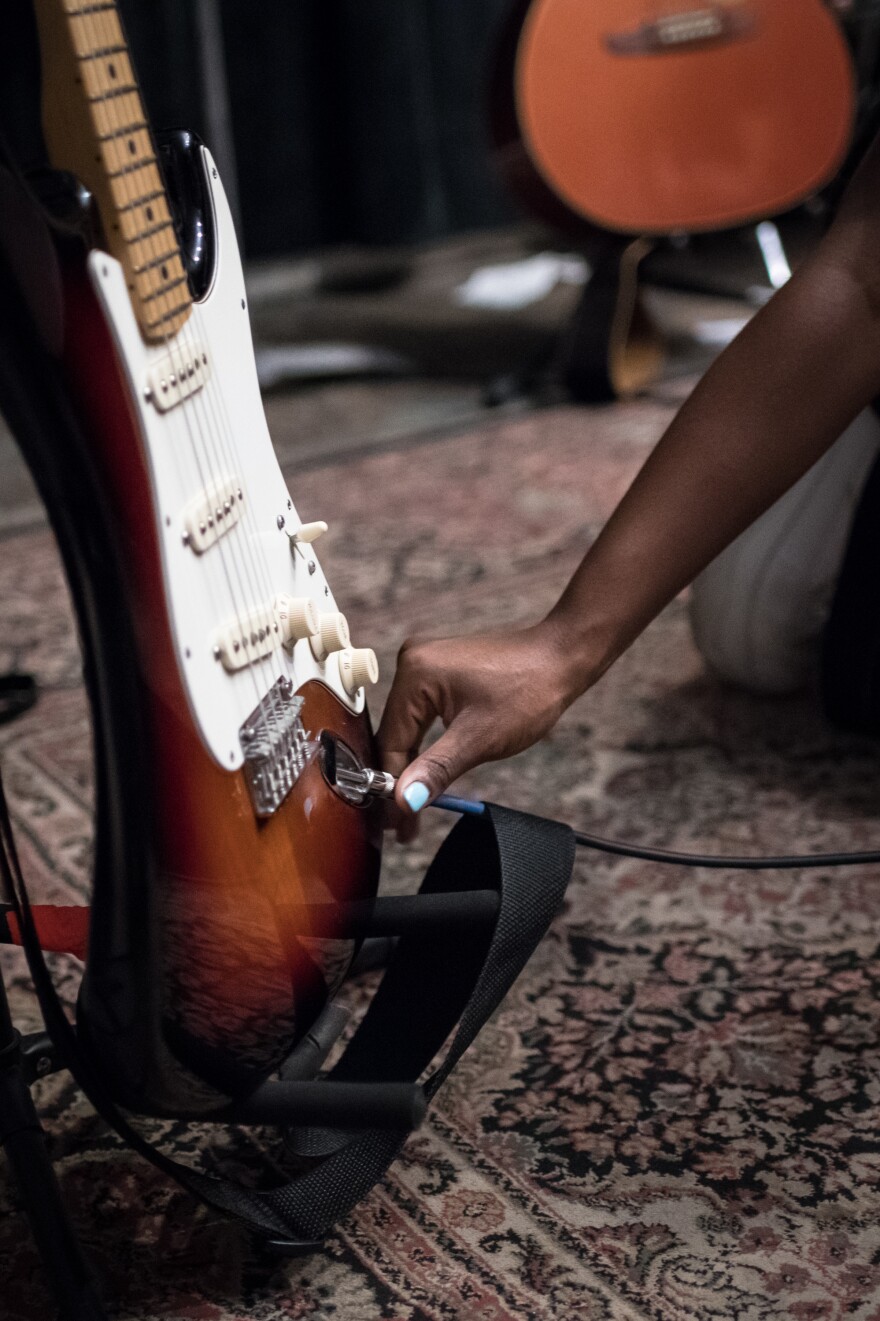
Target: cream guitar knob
[(358, 667), (297, 617), (331, 634)]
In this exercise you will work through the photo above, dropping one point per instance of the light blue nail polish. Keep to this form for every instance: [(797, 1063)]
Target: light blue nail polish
[(416, 795)]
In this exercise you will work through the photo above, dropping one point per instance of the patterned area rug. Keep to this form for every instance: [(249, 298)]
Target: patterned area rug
[(674, 1115)]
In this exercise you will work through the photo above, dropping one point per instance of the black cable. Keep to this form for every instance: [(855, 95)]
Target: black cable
[(718, 861), (786, 862)]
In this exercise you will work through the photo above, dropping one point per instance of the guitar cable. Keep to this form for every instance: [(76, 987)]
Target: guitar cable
[(65, 929), (357, 783)]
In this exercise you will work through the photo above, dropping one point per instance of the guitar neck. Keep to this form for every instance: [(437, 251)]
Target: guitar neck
[(95, 126)]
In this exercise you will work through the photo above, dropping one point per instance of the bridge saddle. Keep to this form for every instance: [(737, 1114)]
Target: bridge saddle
[(276, 748)]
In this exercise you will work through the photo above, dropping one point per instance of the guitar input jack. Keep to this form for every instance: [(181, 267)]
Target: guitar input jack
[(358, 784)]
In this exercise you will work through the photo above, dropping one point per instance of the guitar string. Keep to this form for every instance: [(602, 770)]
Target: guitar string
[(211, 399), (225, 453), (101, 36), (250, 565), (245, 536), (248, 532), (210, 404), (93, 33), (163, 309), (215, 402), (220, 411)]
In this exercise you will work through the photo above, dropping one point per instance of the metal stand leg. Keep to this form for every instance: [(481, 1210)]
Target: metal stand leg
[(24, 1142)]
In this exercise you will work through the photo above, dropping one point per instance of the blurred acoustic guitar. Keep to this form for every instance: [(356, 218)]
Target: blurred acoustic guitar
[(650, 119)]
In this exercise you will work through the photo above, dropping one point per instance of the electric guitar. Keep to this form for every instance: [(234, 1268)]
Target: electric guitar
[(650, 118), (217, 830)]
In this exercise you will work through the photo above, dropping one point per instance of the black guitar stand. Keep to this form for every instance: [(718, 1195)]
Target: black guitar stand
[(22, 1061)]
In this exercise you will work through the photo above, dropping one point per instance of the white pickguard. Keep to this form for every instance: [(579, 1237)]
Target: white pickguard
[(218, 432)]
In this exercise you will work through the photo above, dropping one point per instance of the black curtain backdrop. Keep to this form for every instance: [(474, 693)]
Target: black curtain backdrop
[(354, 120)]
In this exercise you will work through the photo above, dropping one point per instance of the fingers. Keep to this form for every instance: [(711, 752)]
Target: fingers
[(409, 713), (434, 771), (425, 687)]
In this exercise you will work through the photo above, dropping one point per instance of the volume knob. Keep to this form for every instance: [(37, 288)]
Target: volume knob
[(358, 667), (331, 634), (297, 618)]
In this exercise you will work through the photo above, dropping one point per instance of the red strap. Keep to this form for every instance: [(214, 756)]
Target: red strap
[(60, 930)]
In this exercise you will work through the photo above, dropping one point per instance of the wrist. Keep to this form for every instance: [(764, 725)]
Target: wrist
[(583, 648)]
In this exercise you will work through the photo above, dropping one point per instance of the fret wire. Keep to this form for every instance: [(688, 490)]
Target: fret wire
[(106, 32), (138, 238), (105, 116), (89, 9), (170, 315), (122, 132), (160, 293), (123, 183), (143, 163), (157, 261), (107, 74), (110, 96), (142, 235), (142, 201), (102, 54)]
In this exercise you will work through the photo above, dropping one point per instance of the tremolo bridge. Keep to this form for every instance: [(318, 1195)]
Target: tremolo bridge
[(276, 748)]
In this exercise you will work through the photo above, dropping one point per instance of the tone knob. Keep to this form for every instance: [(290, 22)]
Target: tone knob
[(297, 618), (331, 634), (309, 532), (358, 667)]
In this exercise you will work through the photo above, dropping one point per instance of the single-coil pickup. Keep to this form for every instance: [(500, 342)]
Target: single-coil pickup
[(248, 638), (178, 375), (213, 513)]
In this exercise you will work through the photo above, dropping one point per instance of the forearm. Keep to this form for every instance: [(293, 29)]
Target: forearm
[(769, 407)]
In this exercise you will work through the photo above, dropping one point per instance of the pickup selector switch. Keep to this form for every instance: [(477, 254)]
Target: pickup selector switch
[(331, 634), (297, 617), (306, 533), (357, 668)]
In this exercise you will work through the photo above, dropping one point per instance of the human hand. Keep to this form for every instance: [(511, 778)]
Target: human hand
[(496, 694)]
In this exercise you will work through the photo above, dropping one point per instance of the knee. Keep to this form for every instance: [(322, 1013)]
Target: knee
[(743, 636)]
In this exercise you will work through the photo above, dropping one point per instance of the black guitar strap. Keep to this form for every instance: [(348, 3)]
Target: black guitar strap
[(433, 982)]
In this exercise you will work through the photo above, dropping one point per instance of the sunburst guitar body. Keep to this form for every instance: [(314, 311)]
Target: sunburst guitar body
[(243, 655), (648, 118)]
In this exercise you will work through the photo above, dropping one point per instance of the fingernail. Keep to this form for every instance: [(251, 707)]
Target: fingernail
[(416, 795)]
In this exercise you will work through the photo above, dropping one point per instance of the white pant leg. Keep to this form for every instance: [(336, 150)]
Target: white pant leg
[(758, 610)]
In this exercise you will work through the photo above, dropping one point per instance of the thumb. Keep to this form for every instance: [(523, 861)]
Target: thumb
[(432, 773)]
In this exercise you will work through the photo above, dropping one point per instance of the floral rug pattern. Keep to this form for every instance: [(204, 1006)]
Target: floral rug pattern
[(675, 1113)]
